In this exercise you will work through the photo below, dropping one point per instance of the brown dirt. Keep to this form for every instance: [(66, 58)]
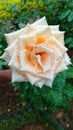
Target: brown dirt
[(9, 100), (33, 127)]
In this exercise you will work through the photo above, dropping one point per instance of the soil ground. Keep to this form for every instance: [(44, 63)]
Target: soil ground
[(9, 99)]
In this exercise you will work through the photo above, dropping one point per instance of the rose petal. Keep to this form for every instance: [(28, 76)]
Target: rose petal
[(10, 48), (16, 77), (61, 67), (53, 41), (43, 34), (67, 59), (36, 53), (15, 61), (40, 83), (59, 36), (5, 56), (27, 39), (29, 30), (23, 53), (41, 21), (54, 27), (49, 82), (32, 78), (12, 37)]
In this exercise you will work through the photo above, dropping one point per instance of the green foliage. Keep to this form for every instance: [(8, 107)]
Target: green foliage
[(4, 5), (46, 2), (5, 26)]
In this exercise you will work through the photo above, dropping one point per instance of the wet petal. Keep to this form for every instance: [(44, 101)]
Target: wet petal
[(15, 60), (32, 78), (41, 21), (16, 77), (12, 37), (59, 36), (67, 59)]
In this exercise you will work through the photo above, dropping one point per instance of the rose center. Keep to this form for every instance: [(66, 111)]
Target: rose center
[(39, 59)]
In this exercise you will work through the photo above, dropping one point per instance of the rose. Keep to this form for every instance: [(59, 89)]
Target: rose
[(36, 53)]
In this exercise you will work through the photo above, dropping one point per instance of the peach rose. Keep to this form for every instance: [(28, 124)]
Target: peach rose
[(36, 53)]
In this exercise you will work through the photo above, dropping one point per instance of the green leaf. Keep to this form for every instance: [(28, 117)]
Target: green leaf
[(44, 92), (65, 104), (1, 38), (37, 90), (1, 67), (25, 1), (72, 60), (69, 72), (60, 80), (65, 14), (70, 17), (55, 97), (13, 8), (1, 46), (2, 64), (38, 102), (46, 1), (70, 45), (22, 97), (1, 51), (68, 40), (68, 91), (16, 85)]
